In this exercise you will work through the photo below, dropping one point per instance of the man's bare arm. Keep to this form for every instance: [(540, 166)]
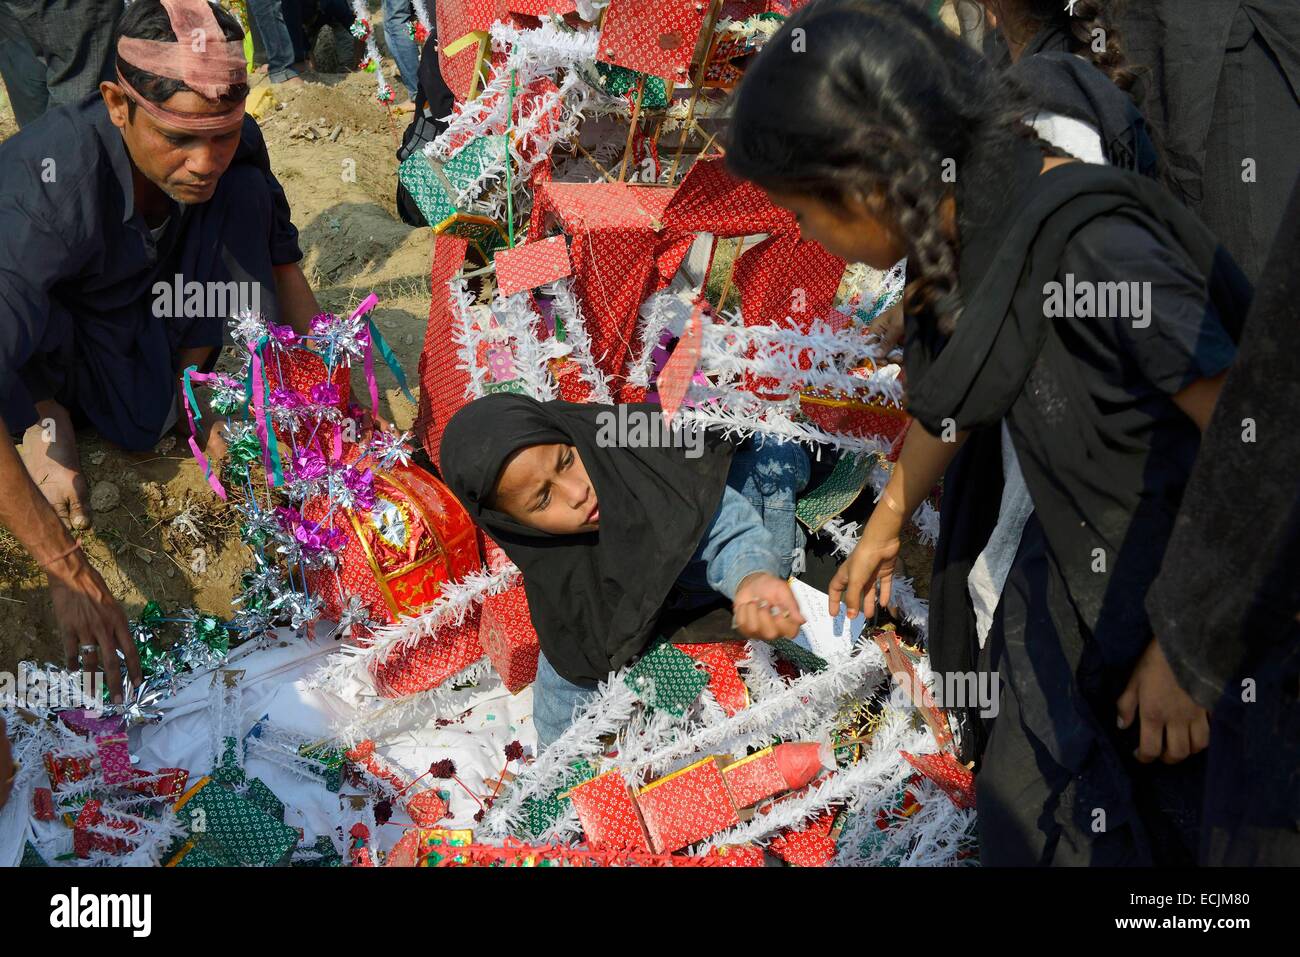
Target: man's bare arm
[(297, 301), (86, 611)]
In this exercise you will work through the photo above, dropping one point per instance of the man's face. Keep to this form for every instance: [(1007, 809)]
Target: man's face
[(184, 165)]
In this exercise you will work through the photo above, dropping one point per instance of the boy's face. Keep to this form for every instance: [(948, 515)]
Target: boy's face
[(184, 165), (546, 487)]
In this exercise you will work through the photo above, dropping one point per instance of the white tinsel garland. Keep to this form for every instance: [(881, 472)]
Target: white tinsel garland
[(378, 718), (362, 15), (569, 313)]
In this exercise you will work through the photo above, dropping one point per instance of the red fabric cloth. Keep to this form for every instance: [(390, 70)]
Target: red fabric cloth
[(442, 385)]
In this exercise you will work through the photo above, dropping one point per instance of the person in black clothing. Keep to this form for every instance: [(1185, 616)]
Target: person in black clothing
[(433, 102), (148, 183), (1067, 425), (1226, 605)]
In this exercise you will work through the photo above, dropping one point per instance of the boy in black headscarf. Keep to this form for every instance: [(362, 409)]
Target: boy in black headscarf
[(610, 536)]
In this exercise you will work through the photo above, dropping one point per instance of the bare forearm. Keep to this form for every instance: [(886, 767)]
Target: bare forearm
[(920, 465), (297, 302), (23, 509), (1197, 401)]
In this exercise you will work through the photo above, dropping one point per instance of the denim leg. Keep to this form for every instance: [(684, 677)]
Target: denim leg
[(770, 475), (554, 701), (268, 15), (398, 16)]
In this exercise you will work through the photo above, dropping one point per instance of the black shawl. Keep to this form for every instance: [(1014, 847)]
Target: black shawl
[(594, 597), (1226, 605), (1004, 360), (1064, 83)]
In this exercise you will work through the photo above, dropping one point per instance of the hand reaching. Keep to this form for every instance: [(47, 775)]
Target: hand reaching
[(765, 608)]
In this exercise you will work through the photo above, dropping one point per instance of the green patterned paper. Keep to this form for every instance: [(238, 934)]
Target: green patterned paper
[(618, 80), (228, 771), (239, 829), (31, 856), (541, 813), (840, 490), (667, 679), (206, 853), (798, 655), (265, 798), (426, 189), (513, 386)]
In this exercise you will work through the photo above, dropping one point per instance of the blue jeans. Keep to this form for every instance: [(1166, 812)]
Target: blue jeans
[(771, 475), (398, 16), (268, 17), (554, 701)]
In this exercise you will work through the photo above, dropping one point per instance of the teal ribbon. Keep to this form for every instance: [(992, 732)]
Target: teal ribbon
[(389, 357), (272, 447)]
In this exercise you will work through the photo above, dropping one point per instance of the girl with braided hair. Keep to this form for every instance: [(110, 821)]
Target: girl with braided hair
[(888, 138)]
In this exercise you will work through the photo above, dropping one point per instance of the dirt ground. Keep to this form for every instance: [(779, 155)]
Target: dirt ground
[(157, 509)]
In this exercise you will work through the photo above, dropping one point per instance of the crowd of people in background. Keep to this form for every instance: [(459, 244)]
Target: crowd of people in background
[(54, 52)]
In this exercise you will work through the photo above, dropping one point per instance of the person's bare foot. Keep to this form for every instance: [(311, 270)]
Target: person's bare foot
[(49, 453), (407, 107), (291, 82)]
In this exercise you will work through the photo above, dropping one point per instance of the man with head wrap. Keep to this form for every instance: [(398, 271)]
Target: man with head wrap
[(110, 209)]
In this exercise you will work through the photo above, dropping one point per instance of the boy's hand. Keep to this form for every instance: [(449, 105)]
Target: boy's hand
[(1173, 725), (765, 608)]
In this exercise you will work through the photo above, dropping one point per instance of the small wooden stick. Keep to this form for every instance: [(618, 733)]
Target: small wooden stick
[(631, 129), (609, 177), (715, 6)]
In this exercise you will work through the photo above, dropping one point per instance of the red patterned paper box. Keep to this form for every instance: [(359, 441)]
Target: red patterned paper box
[(652, 36), (430, 661), (43, 804), (952, 777), (812, 846), (753, 778), (573, 387), (608, 814), (532, 265), (686, 806), (508, 637), (65, 768), (83, 841), (725, 683)]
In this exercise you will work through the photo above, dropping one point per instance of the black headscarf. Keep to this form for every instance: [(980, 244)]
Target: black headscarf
[(594, 597), (1004, 360), (1064, 83)]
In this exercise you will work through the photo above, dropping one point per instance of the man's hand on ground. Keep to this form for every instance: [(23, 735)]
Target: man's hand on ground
[(49, 453), (88, 615)]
